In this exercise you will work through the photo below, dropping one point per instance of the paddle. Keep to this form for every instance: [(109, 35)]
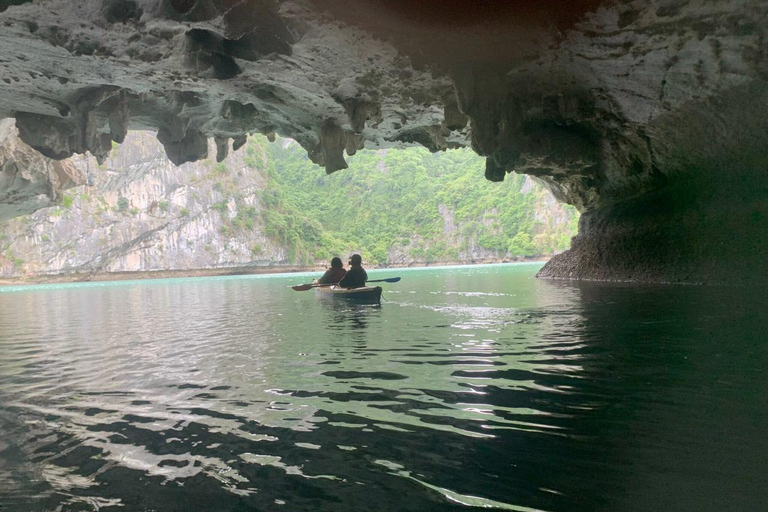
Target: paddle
[(305, 287)]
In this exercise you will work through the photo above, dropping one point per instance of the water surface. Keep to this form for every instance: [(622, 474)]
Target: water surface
[(469, 388)]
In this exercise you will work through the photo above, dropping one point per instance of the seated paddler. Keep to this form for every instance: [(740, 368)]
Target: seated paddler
[(356, 275), (334, 274)]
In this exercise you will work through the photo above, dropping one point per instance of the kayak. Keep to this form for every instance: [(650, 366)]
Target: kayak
[(364, 294)]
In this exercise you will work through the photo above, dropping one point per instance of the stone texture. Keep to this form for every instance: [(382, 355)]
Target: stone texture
[(143, 213), (78, 73), (28, 180), (609, 103), (711, 232)]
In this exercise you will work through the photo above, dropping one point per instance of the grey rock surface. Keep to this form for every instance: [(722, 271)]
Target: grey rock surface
[(143, 213), (608, 103), (28, 180), (77, 76)]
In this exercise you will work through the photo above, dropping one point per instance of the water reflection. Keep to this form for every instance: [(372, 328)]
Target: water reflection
[(485, 390), (346, 316)]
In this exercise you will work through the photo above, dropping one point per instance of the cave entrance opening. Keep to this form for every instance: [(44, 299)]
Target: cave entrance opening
[(267, 204)]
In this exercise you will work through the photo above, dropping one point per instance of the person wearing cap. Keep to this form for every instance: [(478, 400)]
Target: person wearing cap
[(356, 275), (334, 274)]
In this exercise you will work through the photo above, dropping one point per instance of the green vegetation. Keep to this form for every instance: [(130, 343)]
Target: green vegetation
[(430, 207), (392, 206), (220, 207), (17, 262), (245, 218)]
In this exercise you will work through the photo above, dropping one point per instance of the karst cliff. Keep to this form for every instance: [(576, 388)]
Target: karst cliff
[(650, 116), (263, 210)]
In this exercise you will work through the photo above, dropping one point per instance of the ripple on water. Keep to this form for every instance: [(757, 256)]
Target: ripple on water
[(468, 390)]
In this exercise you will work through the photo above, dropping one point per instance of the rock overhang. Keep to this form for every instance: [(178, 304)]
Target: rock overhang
[(605, 102), (79, 75)]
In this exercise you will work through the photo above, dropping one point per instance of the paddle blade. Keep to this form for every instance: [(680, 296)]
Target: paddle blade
[(389, 280), (302, 287)]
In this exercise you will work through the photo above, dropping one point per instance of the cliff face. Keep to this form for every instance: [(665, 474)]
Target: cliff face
[(28, 180), (617, 106), (144, 213)]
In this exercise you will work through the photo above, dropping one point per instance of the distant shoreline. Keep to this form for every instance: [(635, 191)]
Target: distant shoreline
[(80, 277)]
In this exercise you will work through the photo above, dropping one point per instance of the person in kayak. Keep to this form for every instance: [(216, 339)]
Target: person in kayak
[(334, 274), (356, 276)]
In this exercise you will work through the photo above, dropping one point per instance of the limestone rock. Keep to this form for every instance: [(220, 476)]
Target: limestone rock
[(80, 72), (28, 180), (145, 213), (608, 103)]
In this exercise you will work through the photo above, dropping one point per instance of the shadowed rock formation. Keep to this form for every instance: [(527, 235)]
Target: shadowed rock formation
[(28, 180), (621, 108)]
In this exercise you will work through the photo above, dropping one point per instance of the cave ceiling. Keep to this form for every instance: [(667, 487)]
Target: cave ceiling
[(602, 101)]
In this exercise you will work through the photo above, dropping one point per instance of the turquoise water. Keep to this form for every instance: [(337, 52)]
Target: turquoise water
[(468, 388)]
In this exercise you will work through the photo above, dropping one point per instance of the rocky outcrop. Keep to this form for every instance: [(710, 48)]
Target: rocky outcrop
[(142, 213), (610, 103), (709, 229), (28, 180), (145, 214), (78, 74)]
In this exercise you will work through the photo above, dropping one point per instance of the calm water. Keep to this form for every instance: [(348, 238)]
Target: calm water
[(470, 388)]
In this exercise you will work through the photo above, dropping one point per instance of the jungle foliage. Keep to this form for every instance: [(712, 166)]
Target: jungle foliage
[(402, 205)]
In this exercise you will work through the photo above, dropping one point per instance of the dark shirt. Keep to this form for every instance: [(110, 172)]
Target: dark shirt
[(332, 276), (355, 278)]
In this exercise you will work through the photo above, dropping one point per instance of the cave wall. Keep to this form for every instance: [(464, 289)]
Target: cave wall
[(28, 180), (696, 231), (78, 74), (611, 104), (707, 219)]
